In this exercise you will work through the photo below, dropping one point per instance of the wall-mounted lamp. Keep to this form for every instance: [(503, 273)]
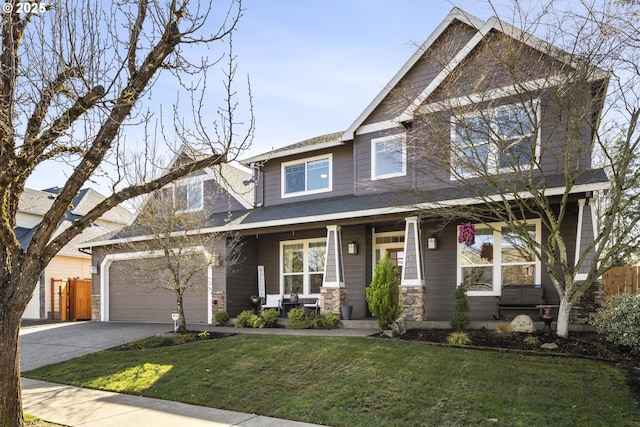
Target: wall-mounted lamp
[(352, 249), (94, 268), (215, 260), (432, 243)]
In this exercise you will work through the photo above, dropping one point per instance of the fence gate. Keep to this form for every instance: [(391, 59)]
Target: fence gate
[(75, 300), (622, 280)]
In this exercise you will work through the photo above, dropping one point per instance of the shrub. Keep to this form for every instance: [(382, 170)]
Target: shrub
[(204, 335), (459, 338), (299, 320), (270, 316), (619, 320), (532, 340), (383, 295), (221, 317), (331, 320), (248, 319), (460, 320), (503, 328), (296, 316)]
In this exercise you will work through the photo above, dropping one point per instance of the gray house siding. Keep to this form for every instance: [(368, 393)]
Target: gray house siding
[(342, 176), (242, 282), (421, 74)]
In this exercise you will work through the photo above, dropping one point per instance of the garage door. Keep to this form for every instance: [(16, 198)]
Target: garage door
[(135, 294)]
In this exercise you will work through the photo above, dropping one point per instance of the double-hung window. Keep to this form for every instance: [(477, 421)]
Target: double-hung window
[(492, 141), (306, 176), (388, 157), (302, 266), (188, 196), (499, 256)]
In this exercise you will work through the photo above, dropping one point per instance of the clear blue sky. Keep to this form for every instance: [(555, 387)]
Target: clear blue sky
[(315, 65)]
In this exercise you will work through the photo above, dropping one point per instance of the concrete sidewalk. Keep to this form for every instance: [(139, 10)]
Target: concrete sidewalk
[(74, 406)]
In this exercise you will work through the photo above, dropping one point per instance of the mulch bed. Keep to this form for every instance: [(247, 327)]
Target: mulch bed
[(578, 344)]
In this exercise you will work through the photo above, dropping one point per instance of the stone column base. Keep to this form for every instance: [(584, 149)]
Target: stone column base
[(331, 299), (95, 307), (218, 303), (414, 300)]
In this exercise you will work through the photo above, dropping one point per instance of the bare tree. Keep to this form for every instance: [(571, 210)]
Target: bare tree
[(521, 135), (170, 229), (74, 78)]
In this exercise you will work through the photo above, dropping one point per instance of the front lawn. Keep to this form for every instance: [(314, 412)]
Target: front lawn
[(342, 381)]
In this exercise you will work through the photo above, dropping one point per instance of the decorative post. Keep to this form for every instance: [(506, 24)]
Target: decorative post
[(412, 285), (333, 293)]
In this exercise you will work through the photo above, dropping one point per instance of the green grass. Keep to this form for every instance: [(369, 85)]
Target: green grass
[(363, 382)]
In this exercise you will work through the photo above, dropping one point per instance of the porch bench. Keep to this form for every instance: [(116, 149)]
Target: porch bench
[(518, 297)]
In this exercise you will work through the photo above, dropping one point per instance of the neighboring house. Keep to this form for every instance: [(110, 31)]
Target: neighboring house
[(325, 210), (69, 262)]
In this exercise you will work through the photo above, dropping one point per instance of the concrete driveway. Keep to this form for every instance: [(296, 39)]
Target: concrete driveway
[(42, 344)]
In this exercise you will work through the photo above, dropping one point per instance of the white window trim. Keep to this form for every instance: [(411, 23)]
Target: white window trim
[(306, 160), (493, 159), (199, 180), (384, 247), (305, 263), (400, 137), (497, 257)]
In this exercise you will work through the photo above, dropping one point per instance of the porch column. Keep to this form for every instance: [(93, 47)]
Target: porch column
[(333, 293), (585, 234), (412, 282), (587, 229)]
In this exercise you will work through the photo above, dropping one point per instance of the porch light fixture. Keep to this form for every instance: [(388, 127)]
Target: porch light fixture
[(432, 243), (352, 249), (94, 268), (215, 260)]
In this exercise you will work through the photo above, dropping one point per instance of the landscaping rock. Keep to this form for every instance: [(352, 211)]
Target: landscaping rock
[(522, 323), (549, 346)]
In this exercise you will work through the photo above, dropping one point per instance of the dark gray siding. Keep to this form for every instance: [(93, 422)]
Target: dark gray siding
[(342, 176), (242, 282), (423, 72), (218, 199), (357, 268)]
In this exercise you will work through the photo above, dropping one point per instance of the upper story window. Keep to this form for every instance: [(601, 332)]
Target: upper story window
[(492, 141), (306, 176), (188, 196), (498, 257), (388, 157)]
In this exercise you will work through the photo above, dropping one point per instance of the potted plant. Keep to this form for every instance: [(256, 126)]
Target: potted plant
[(255, 299), (293, 298)]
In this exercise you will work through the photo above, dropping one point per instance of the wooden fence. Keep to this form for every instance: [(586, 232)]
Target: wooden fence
[(621, 280)]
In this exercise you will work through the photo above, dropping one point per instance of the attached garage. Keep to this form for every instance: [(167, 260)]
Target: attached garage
[(134, 292)]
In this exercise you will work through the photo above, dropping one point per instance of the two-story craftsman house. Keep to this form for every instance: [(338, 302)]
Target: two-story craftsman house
[(473, 98)]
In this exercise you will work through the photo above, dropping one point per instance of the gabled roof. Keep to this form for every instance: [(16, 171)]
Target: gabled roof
[(483, 28), (317, 143)]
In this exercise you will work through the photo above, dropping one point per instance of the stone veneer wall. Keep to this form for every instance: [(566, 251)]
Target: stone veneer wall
[(95, 308), (331, 299), (218, 303), (593, 299), (413, 302)]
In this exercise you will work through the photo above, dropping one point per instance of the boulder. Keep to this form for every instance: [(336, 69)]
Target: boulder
[(550, 346), (522, 323)]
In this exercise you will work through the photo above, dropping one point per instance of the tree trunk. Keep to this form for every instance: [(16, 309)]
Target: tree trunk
[(182, 323), (564, 314), (10, 386)]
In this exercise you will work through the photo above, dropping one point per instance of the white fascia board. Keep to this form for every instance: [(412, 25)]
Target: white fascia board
[(455, 14), (446, 71), (362, 213), (293, 151)]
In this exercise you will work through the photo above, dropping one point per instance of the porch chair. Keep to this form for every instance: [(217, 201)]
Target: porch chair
[(273, 301), (313, 304)]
